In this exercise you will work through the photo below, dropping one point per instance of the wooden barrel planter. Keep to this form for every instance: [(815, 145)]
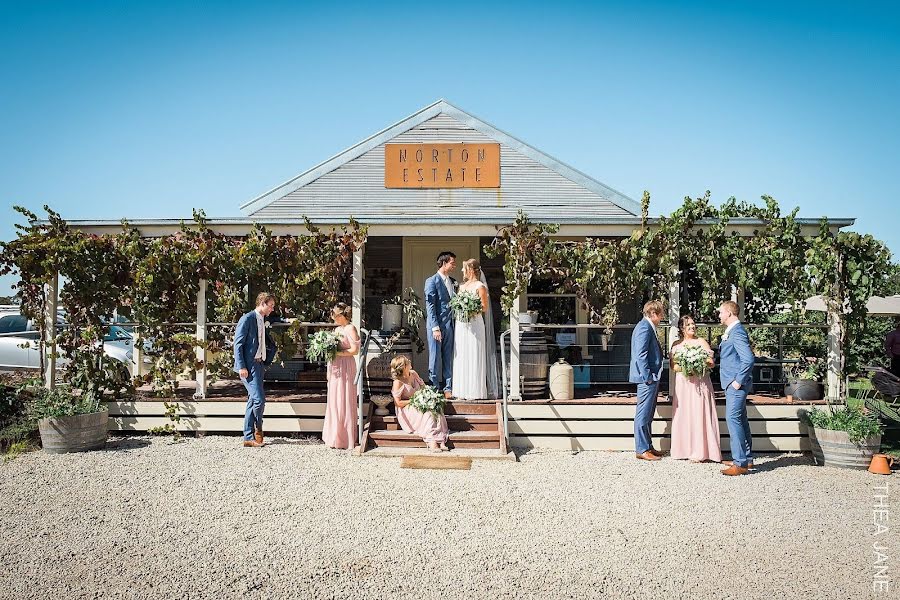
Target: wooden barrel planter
[(834, 449), (77, 433), (807, 389), (378, 363), (534, 366)]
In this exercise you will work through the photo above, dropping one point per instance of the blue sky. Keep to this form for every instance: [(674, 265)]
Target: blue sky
[(131, 109)]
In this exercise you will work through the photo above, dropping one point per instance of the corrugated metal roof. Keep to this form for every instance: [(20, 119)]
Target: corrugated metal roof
[(352, 182)]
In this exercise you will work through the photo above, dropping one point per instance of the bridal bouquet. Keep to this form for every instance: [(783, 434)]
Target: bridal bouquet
[(323, 345), (693, 361), (428, 400), (465, 305)]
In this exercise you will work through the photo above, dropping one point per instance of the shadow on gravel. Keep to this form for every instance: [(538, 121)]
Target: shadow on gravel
[(125, 444), (796, 460)]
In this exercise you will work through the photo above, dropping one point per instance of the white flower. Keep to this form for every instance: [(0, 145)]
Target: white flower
[(724, 336)]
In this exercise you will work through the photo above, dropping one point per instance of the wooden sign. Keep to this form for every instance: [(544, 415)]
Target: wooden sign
[(441, 166)]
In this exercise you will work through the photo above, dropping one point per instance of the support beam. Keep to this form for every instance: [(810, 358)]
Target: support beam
[(835, 361), (358, 287), (515, 340), (201, 352), (52, 293), (674, 315), (737, 295)]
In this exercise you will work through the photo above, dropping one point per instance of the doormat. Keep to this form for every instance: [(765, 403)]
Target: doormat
[(462, 463)]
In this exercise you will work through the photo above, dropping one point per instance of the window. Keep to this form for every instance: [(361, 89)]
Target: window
[(13, 324)]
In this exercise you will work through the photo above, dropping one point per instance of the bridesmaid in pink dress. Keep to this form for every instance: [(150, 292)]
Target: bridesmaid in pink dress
[(695, 424), (340, 427), (406, 381)]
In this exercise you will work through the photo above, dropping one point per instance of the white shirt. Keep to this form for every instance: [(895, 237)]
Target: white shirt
[(261, 332), (447, 284)]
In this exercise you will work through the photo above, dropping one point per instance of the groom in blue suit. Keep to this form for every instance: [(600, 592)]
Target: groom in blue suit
[(254, 350), (736, 376), (439, 288), (645, 370)]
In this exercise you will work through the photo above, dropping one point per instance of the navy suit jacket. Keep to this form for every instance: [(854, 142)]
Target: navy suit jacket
[(437, 305), (246, 343), (736, 359), (646, 354)]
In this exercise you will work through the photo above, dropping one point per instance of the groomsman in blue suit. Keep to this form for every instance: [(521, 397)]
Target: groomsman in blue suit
[(254, 350), (736, 376), (645, 370), (439, 288)]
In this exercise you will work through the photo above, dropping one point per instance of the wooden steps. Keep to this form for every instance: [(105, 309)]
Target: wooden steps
[(473, 425)]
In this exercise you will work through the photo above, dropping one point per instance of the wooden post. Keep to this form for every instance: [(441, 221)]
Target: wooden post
[(737, 295), (674, 315), (835, 361), (52, 293), (200, 392), (515, 339), (358, 289)]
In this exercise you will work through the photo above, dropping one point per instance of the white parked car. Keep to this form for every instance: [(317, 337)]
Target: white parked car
[(19, 343)]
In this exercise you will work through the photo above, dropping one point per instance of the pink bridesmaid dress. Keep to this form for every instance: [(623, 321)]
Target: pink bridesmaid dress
[(695, 424), (340, 427), (415, 422)]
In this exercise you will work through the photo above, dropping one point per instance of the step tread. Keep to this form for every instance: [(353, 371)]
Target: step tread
[(472, 436), (450, 418)]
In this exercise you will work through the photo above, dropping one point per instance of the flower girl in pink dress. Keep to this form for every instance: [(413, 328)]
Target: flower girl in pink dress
[(695, 424), (406, 381)]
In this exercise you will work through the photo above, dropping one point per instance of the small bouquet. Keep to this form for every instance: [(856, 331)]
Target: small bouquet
[(428, 400), (693, 361), (465, 305), (323, 346)]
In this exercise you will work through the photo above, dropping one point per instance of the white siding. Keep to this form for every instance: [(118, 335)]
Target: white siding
[(357, 188)]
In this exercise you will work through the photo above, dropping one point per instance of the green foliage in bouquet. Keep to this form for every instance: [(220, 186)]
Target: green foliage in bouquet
[(428, 400), (322, 346), (465, 305), (693, 361)]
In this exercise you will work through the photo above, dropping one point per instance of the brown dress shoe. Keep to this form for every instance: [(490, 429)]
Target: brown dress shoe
[(252, 444), (729, 463), (647, 456), (735, 470), (655, 452), (258, 437), (448, 394)]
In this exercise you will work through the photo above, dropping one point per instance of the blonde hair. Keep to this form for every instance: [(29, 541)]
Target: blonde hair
[(398, 364), (263, 298), (732, 307), (342, 309), (473, 265), (654, 307)]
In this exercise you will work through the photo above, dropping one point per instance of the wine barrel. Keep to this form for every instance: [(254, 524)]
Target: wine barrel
[(834, 449), (378, 363), (533, 364), (77, 433)]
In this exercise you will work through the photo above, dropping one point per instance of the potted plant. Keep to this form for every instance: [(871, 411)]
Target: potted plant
[(391, 313), (408, 306), (70, 421), (806, 380), (846, 437)]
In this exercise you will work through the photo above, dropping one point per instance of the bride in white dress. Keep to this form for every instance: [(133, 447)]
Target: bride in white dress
[(474, 354)]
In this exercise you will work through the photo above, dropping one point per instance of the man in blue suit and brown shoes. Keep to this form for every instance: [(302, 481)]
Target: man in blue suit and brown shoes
[(645, 370), (736, 376), (254, 350), (439, 288)]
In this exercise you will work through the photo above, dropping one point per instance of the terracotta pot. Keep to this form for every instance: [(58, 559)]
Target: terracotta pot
[(881, 464)]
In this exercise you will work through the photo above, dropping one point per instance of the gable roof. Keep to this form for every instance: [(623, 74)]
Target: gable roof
[(623, 202)]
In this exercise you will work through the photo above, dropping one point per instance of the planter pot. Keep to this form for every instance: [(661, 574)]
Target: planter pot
[(834, 449), (391, 317), (807, 389), (77, 433)]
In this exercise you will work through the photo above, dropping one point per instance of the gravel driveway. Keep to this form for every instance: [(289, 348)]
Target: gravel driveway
[(204, 518)]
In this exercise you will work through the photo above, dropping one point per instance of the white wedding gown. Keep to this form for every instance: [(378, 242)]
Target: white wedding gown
[(469, 362)]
